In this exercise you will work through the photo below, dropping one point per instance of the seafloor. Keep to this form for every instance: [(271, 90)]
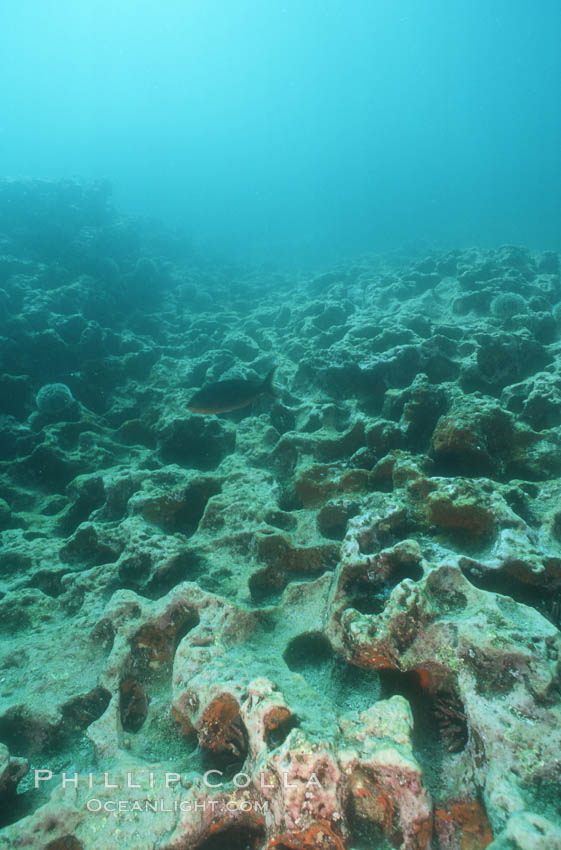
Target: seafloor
[(344, 601)]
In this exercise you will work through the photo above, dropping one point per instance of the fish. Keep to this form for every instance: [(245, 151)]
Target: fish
[(223, 396)]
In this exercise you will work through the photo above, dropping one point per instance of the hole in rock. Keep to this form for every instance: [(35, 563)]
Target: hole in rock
[(225, 730), (154, 646), (266, 585), (289, 500), (54, 506), (67, 842), (385, 535), (187, 566), (278, 729), (365, 835), (545, 600), (14, 562), (370, 597), (224, 740), (340, 686), (48, 582), (286, 562), (196, 443), (133, 705), (472, 465), (134, 570), (556, 527), (14, 807), (34, 535), (333, 518), (86, 549), (182, 512), (104, 635), (25, 734), (48, 469), (440, 724), (90, 497), (448, 710), (414, 571), (238, 837), (225, 763), (81, 711), (310, 649), (365, 596), (281, 519), (517, 500), (145, 691)]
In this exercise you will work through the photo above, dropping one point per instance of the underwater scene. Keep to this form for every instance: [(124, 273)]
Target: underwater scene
[(280, 425)]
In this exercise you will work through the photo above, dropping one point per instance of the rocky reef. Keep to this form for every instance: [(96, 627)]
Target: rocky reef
[(328, 621)]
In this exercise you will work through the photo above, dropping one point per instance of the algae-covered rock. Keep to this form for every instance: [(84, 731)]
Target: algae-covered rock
[(332, 617)]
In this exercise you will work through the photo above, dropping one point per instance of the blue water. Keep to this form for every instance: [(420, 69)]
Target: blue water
[(296, 130)]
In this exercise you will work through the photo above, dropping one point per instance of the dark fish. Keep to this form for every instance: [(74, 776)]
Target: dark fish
[(223, 396)]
